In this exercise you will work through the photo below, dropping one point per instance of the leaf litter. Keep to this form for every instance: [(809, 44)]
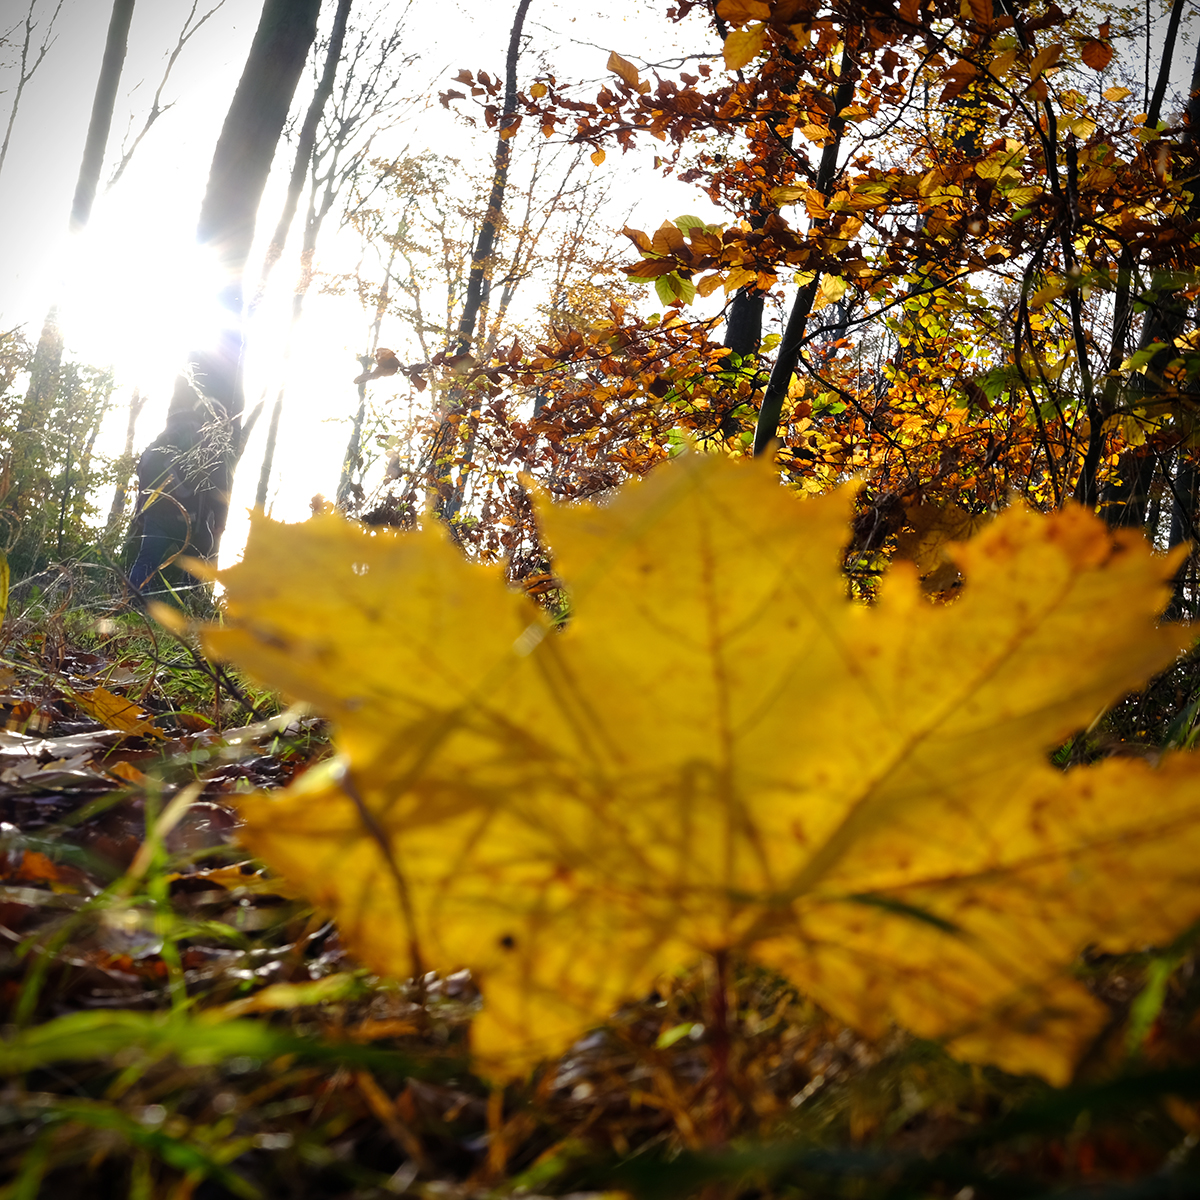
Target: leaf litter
[(203, 1023)]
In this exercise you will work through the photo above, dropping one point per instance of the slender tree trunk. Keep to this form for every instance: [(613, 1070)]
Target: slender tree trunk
[(352, 459), (47, 361), (1125, 503), (268, 462), (480, 277), (486, 241), (48, 357), (797, 324), (102, 113), (136, 403), (1154, 109), (306, 142)]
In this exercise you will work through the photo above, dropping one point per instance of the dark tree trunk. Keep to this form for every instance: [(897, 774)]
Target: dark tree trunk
[(187, 472), (794, 332), (307, 140), (136, 403), (743, 330), (1125, 505), (479, 280), (485, 243), (300, 168), (102, 113)]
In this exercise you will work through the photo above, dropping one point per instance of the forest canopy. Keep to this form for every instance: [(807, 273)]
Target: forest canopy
[(706, 702)]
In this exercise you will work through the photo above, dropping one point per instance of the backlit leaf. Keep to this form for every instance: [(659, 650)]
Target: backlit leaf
[(831, 290), (742, 12), (744, 46), (1045, 58), (623, 67), (722, 753), (1000, 66), (1097, 54)]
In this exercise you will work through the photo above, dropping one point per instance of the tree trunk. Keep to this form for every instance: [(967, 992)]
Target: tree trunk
[(794, 332), (306, 141), (192, 461), (479, 279), (44, 375), (136, 403), (1124, 504), (495, 210), (102, 113)]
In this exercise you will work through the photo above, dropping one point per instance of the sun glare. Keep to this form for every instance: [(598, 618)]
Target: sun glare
[(139, 294)]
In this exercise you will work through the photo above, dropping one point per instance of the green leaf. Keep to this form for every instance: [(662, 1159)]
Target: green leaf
[(673, 286)]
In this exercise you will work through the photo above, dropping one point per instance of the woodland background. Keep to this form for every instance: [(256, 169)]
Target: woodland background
[(947, 247)]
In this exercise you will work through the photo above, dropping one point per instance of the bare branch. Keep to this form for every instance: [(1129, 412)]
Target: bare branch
[(157, 108), (27, 69)]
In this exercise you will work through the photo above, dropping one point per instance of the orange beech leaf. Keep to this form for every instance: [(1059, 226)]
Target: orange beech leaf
[(722, 753), (742, 12), (982, 12), (1097, 54), (622, 67)]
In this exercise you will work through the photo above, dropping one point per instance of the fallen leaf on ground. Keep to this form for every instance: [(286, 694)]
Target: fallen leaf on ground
[(117, 712), (721, 752)]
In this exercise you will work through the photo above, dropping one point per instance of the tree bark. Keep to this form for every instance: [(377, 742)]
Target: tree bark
[(479, 280), (306, 141), (136, 403), (793, 335), (486, 241), (1124, 503), (192, 461), (102, 113)]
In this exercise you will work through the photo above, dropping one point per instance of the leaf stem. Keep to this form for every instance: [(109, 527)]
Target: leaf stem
[(718, 1047)]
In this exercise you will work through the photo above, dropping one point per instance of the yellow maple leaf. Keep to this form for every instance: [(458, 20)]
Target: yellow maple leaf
[(116, 712), (722, 753)]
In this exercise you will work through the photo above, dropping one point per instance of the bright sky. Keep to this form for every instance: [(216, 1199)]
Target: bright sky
[(132, 292)]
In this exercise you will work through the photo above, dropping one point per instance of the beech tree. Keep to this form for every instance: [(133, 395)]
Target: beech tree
[(983, 238), (186, 473)]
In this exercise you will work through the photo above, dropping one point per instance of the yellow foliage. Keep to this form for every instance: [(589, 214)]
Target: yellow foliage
[(831, 290), (743, 46), (721, 752)]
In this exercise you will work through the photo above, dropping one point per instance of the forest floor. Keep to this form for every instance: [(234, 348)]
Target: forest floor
[(178, 1024)]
